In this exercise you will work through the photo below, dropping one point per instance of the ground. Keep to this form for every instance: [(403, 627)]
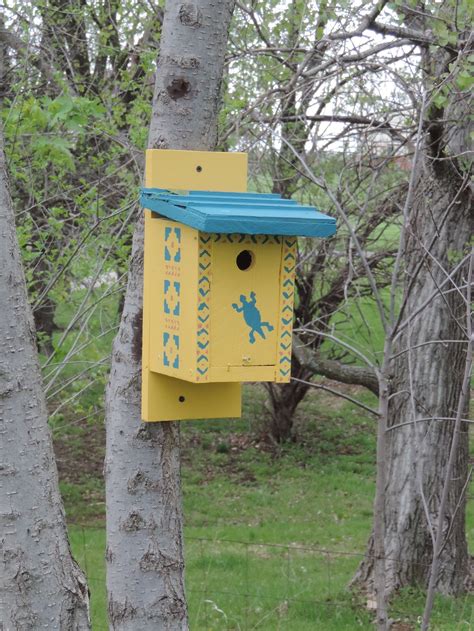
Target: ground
[(273, 533)]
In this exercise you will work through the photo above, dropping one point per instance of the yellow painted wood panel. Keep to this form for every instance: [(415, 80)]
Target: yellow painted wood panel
[(287, 295), (203, 314), (170, 399), (166, 398), (245, 303), (196, 170), (173, 298), (243, 373)]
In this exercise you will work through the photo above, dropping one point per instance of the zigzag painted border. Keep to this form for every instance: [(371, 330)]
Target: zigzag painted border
[(203, 313), (287, 288), (260, 239), (171, 318)]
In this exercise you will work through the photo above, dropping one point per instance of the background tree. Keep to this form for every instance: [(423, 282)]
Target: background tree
[(75, 121), (438, 43), (429, 352), (41, 586)]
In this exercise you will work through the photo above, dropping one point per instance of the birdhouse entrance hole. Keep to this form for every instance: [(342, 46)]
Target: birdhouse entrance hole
[(244, 260)]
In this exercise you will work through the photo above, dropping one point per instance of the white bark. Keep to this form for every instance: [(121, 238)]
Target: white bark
[(145, 564), (41, 586)]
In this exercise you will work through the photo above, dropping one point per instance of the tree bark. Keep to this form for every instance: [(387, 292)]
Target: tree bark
[(427, 379), (41, 586), (145, 565), (284, 399)]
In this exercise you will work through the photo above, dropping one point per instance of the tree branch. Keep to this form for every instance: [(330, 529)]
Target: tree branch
[(11, 40), (405, 33), (336, 393), (354, 119), (344, 373)]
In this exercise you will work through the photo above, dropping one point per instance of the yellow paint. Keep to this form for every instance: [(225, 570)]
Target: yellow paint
[(243, 373), (230, 335), (173, 297), (196, 170), (161, 399), (214, 345), (287, 294), (160, 393), (196, 345)]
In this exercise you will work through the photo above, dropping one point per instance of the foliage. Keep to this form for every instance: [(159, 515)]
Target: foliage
[(74, 184)]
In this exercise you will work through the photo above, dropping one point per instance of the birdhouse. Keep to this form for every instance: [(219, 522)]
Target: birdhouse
[(218, 283)]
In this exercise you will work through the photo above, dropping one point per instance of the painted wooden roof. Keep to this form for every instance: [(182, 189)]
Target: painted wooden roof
[(243, 213)]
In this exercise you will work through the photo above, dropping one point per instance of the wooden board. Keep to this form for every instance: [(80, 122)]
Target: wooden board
[(164, 397), (196, 170)]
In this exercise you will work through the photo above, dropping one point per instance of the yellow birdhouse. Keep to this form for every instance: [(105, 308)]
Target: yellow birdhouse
[(218, 283)]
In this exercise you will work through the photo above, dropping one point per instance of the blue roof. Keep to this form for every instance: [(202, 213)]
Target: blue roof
[(243, 213)]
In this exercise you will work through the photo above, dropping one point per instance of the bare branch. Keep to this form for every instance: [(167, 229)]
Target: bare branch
[(337, 393), (345, 373)]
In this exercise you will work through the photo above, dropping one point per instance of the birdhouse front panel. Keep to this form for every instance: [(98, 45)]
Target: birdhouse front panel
[(247, 298)]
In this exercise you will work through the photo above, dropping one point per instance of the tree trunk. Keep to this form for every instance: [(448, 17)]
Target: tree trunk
[(427, 384), (145, 564), (45, 326), (284, 399), (41, 586)]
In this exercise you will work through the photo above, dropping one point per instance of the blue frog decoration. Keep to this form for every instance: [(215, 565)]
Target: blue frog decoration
[(252, 316)]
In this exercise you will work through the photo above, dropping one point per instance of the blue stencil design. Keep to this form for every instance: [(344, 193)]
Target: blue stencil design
[(170, 350), (252, 316), (172, 292), (173, 244)]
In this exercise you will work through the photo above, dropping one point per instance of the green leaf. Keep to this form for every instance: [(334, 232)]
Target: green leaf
[(54, 149), (464, 80)]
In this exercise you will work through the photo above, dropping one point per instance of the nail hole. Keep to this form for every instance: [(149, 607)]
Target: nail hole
[(181, 399), (199, 169), (244, 260)]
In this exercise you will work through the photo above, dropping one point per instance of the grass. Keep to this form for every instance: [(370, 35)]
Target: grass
[(272, 537)]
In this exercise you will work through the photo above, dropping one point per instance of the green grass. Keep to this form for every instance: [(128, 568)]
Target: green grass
[(88, 547), (273, 538)]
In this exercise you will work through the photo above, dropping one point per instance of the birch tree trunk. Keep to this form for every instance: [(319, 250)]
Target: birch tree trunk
[(41, 586), (430, 358), (145, 567)]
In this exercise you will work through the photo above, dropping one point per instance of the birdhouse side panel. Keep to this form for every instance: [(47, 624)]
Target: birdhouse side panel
[(287, 297), (173, 299)]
